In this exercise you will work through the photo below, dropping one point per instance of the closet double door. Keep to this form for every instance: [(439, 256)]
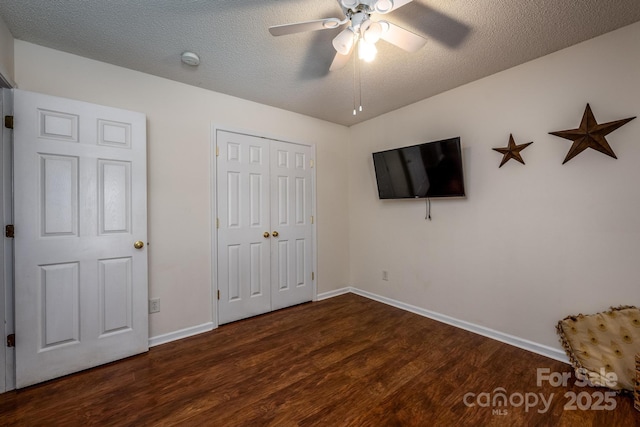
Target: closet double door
[(264, 225)]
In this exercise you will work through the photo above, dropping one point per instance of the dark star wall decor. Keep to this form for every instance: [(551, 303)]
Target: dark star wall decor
[(512, 151), (590, 134)]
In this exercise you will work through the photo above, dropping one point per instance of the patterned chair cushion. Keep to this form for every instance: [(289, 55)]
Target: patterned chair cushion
[(636, 390), (602, 343)]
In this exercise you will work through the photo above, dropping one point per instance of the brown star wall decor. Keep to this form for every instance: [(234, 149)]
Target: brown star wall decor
[(512, 151), (590, 134)]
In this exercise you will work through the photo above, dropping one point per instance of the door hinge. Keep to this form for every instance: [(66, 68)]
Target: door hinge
[(217, 222), (311, 163), (11, 340), (311, 219), (218, 293), (9, 231), (217, 151), (313, 275), (8, 122)]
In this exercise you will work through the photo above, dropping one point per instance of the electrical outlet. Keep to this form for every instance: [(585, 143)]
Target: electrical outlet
[(154, 305), (385, 275)]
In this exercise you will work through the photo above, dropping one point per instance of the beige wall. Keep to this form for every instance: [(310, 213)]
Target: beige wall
[(180, 119), (530, 244), (6, 53)]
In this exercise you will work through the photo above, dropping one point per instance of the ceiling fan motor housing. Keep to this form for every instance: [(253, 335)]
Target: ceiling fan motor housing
[(367, 6), (357, 19)]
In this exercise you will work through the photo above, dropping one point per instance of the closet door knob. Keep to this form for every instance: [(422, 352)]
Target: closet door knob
[(266, 234), (275, 234), (138, 245)]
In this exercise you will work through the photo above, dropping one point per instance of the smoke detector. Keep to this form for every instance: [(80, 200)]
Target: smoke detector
[(190, 58)]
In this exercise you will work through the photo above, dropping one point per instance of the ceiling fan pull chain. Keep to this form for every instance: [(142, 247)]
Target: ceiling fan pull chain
[(359, 83), (355, 63)]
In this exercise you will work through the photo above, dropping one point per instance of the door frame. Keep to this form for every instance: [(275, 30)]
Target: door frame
[(214, 211), (7, 356)]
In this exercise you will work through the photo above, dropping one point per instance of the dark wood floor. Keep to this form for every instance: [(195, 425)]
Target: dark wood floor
[(346, 361)]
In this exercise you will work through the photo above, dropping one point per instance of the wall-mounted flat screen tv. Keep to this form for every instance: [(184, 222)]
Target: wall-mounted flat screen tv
[(433, 169)]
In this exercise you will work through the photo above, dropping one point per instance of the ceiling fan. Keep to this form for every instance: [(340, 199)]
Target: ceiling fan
[(362, 30)]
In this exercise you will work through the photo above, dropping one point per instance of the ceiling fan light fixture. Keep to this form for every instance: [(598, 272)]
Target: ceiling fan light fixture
[(366, 51), (383, 6), (343, 42)]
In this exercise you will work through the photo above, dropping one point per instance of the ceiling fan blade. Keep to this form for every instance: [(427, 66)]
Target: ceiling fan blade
[(339, 61), (399, 3), (402, 38), (299, 27), (434, 24)]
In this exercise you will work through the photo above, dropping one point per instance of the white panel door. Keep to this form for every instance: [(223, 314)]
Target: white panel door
[(291, 178), (80, 204), (264, 203), (243, 219)]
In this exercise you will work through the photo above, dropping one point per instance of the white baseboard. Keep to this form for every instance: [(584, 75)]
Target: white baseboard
[(541, 349), (522, 343), (334, 293), (182, 333), (209, 326)]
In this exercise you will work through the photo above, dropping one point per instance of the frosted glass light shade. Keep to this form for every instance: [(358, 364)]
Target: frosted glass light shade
[(372, 32), (343, 42), (383, 6), (349, 4)]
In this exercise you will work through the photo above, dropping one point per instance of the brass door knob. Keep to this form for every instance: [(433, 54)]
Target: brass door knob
[(138, 245), (266, 234), (275, 234)]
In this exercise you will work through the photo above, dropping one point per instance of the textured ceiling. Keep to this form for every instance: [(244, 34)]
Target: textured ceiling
[(467, 40)]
